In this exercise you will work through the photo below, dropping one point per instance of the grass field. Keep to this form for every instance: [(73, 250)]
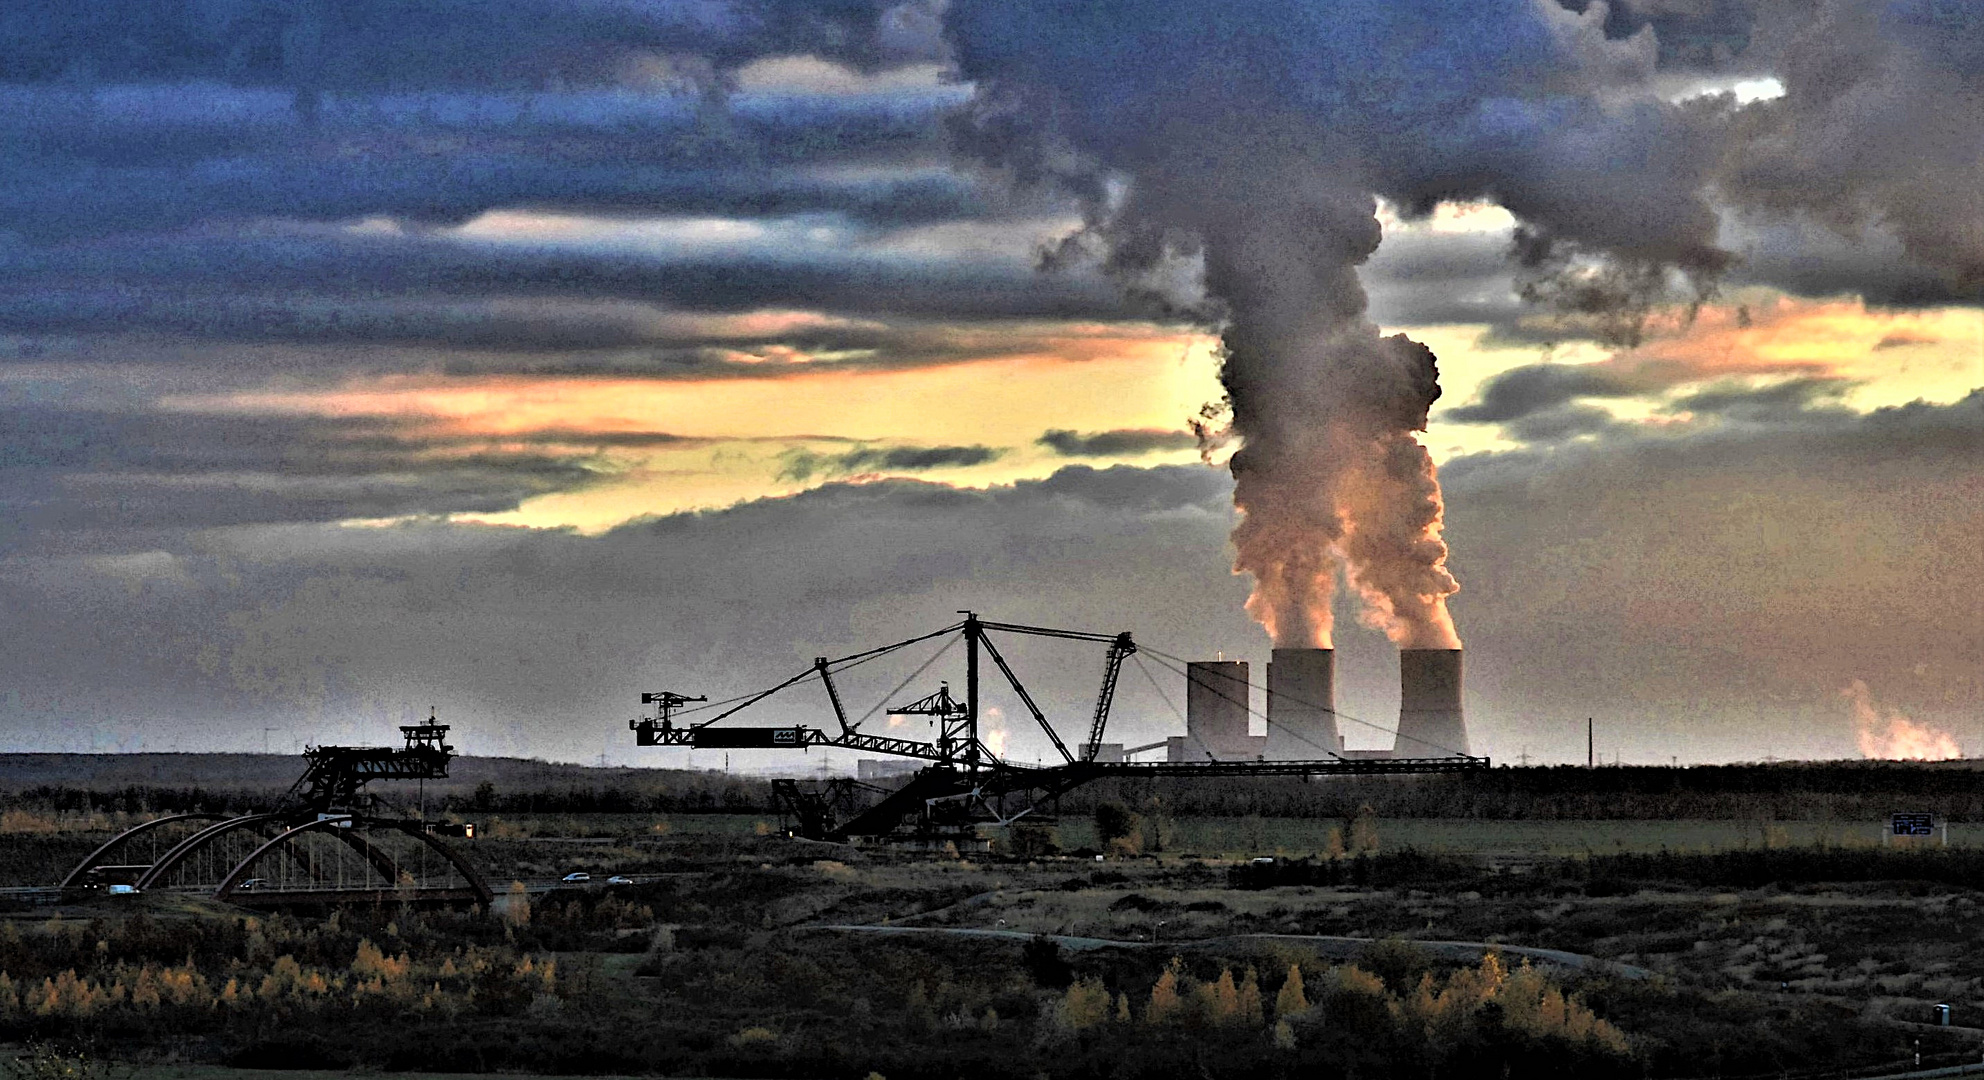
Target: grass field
[(1232, 837), (221, 1072), (527, 845), (1238, 837)]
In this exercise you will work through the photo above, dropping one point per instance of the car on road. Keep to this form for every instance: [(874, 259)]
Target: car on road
[(252, 884), (619, 879), (577, 877)]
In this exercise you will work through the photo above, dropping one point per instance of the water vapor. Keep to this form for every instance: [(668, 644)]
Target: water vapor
[(1253, 142), (1889, 735)]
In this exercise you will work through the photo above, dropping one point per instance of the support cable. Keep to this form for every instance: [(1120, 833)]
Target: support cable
[(841, 664), (879, 705)]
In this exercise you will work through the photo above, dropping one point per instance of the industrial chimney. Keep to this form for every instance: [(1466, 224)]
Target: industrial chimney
[(1302, 705), (1430, 723), (1216, 714)]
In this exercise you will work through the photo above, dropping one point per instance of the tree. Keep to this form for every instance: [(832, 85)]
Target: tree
[(1165, 1004), (1085, 1005), (1250, 999), (1364, 832), (1223, 1000), (1031, 841), (1291, 1000), (1114, 821)]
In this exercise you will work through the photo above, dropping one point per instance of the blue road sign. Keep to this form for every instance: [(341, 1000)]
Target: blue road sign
[(1914, 825)]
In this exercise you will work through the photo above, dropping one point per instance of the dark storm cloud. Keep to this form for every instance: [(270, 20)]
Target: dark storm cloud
[(117, 169), (1522, 391), (1776, 401), (1559, 422), (1701, 35), (1805, 258), (803, 465), (1881, 124), (328, 285), (75, 478), (1119, 443), (360, 45)]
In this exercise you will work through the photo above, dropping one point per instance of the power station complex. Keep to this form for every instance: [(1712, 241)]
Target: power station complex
[(967, 784), (1301, 712)]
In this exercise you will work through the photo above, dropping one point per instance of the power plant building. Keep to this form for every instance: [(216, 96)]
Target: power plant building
[(1302, 717), (1216, 710), (1430, 723), (1302, 705)]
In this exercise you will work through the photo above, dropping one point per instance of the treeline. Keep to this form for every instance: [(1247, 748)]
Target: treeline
[(133, 799), (672, 793), (1610, 875), (680, 793), (334, 988), (1789, 791)]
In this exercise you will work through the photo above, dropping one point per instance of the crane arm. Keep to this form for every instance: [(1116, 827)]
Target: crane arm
[(1047, 631), (833, 693), (1028, 699), (1120, 648)]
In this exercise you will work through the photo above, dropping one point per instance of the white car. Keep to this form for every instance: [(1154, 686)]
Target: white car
[(579, 877), (619, 879)]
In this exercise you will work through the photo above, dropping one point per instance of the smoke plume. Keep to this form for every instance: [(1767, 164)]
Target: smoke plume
[(1254, 140), (1891, 736)]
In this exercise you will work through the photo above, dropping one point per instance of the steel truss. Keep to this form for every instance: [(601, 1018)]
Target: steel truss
[(321, 845)]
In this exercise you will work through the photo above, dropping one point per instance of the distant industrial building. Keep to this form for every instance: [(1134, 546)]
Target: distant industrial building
[(869, 768), (1301, 713)]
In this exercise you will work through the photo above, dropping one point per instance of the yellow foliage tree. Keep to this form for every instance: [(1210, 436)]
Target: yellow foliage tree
[(1333, 843), (372, 963), (1364, 832), (64, 995), (1250, 999), (516, 905), (1222, 1000), (1084, 1005), (1291, 999), (1352, 979), (1165, 1004), (283, 979), (145, 989)]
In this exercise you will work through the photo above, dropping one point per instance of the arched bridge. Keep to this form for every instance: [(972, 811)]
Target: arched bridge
[(272, 860), (323, 844)]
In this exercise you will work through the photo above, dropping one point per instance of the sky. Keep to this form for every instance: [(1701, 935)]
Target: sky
[(513, 357)]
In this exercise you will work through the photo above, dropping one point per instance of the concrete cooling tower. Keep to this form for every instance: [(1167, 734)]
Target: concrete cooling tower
[(1430, 723), (1302, 705), (1216, 714)]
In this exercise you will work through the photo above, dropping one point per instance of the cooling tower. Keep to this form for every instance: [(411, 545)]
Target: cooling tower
[(1430, 723), (1216, 711), (1302, 705)]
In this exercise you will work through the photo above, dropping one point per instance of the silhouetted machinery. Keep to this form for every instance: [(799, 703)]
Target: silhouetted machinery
[(965, 784), (327, 840)]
